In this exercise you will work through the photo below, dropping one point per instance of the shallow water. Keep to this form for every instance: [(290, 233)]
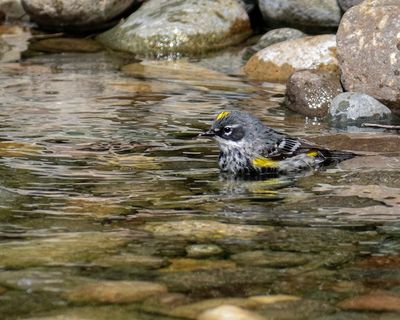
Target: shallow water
[(103, 179)]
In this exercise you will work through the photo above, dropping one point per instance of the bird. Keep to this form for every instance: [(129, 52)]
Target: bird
[(250, 148)]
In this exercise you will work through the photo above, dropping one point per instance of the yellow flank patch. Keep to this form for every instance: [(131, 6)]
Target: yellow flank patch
[(223, 114), (312, 153), (263, 162)]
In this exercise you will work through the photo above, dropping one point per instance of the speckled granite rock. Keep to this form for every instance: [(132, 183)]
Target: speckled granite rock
[(369, 50), (310, 92), (277, 62), (173, 28)]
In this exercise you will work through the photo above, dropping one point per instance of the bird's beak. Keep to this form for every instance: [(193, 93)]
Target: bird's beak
[(209, 133)]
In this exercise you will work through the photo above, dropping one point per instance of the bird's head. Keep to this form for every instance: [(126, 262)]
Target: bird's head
[(234, 129)]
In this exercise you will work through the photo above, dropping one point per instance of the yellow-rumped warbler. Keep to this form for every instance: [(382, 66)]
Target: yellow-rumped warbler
[(248, 147)]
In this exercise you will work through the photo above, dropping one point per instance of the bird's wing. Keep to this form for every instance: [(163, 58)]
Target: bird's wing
[(287, 147)]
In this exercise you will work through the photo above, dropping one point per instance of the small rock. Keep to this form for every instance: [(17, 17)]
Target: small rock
[(356, 107), (273, 298), (347, 4), (277, 62), (309, 92), (378, 301), (131, 261), (228, 312), (173, 28), (270, 259), (380, 261), (203, 250), (369, 50), (115, 291), (74, 15), (203, 229), (300, 13), (272, 37)]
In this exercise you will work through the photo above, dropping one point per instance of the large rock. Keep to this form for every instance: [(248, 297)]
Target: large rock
[(277, 62), (369, 50), (301, 13), (310, 92), (357, 107), (172, 28), (74, 15), (272, 37)]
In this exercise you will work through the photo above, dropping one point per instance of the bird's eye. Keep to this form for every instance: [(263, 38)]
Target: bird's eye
[(227, 130)]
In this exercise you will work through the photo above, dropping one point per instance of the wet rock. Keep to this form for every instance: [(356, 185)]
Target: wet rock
[(228, 281), (184, 264), (272, 37), (203, 229), (368, 51), (203, 250), (228, 312), (271, 259), (380, 262), (347, 4), (309, 92), (355, 107), (377, 301), (131, 261), (296, 310), (277, 62), (76, 248), (115, 292), (58, 45), (301, 13), (74, 16), (273, 298), (165, 28), (193, 310), (12, 9)]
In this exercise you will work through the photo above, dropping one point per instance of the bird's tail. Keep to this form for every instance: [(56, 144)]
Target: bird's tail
[(337, 155)]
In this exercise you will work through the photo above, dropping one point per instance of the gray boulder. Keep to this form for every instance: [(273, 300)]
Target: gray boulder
[(369, 50), (74, 15), (355, 107), (272, 37), (174, 28), (310, 92), (347, 4), (301, 13)]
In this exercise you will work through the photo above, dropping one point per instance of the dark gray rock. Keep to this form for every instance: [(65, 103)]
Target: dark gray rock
[(311, 13), (175, 28), (369, 50), (310, 92), (357, 107), (347, 4), (272, 37), (74, 15)]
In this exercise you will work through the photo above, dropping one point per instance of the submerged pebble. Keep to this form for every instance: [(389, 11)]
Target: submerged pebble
[(228, 312), (115, 291), (203, 250)]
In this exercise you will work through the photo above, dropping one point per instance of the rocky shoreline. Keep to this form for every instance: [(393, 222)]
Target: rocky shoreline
[(318, 48)]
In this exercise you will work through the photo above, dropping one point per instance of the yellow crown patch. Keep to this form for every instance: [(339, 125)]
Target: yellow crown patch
[(312, 153), (263, 162), (223, 114)]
